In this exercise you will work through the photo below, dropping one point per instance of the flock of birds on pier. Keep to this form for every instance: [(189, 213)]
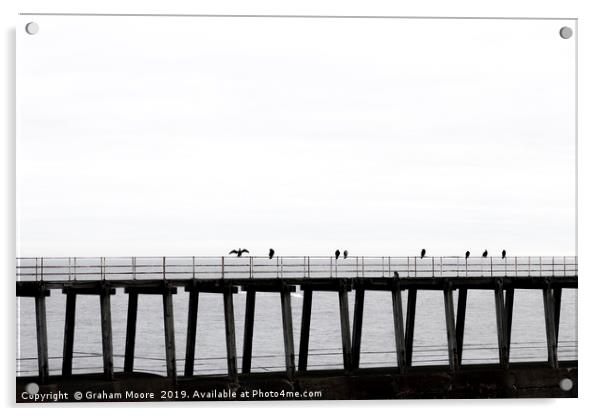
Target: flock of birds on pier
[(337, 253)]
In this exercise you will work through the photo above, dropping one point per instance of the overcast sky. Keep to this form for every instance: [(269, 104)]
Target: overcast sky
[(182, 136)]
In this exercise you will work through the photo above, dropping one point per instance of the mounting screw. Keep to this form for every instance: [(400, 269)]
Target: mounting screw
[(566, 384), (32, 28), (566, 32)]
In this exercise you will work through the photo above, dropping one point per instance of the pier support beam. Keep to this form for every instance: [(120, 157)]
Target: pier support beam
[(345, 330), (508, 308), (502, 331), (460, 322), (410, 320), (130, 333), (398, 324), (107, 331), (305, 325), (170, 339), (548, 305), (287, 329), (247, 352), (193, 311), (356, 337), (452, 345), (42, 332), (69, 333), (557, 300), (230, 334)]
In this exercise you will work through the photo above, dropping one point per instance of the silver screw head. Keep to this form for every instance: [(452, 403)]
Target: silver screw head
[(32, 28), (566, 32)]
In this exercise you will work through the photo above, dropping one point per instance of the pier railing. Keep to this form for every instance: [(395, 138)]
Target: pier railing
[(253, 267)]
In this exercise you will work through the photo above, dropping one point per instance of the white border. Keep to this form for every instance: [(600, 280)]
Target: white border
[(589, 153)]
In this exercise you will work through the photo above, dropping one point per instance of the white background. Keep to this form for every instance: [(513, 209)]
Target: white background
[(589, 155), (197, 135)]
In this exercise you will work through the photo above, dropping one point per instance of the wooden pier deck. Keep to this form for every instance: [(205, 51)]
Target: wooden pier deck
[(164, 276)]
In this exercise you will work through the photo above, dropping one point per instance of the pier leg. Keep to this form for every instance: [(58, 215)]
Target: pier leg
[(170, 340), (287, 328), (69, 334), (247, 353), (345, 332), (130, 333), (230, 335), (501, 327), (305, 325), (557, 299), (356, 338), (398, 324), (548, 305), (460, 320), (410, 320), (451, 330), (508, 307), (193, 311), (107, 333), (42, 336)]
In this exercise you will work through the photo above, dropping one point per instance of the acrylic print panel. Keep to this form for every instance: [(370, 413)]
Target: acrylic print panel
[(150, 147)]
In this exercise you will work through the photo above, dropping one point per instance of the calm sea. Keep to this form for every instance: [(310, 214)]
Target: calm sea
[(378, 344)]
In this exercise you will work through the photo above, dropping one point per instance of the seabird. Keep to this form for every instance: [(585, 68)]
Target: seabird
[(395, 274), (272, 252), (503, 254), (423, 253), (239, 252), (345, 254), (485, 253), (467, 255), (337, 254)]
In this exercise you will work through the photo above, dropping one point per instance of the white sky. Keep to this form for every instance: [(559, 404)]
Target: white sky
[(181, 136)]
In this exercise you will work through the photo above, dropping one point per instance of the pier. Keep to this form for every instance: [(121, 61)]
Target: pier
[(230, 276)]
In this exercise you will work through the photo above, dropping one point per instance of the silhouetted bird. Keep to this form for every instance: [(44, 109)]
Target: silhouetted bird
[(395, 274), (423, 253), (345, 254), (467, 255), (239, 252), (485, 253), (272, 252), (503, 254), (337, 254)]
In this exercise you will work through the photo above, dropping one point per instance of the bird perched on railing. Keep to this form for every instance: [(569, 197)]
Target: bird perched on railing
[(337, 254), (239, 252), (271, 254), (423, 253), (467, 255), (503, 254), (395, 274), (485, 253), (345, 254)]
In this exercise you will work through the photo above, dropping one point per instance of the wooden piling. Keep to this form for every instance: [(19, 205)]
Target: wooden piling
[(107, 331), (356, 336), (42, 333), (193, 311), (548, 305), (69, 333), (287, 329), (508, 308), (170, 339), (410, 320), (305, 325), (345, 330), (399, 334), (501, 326), (452, 346), (230, 334), (460, 322), (130, 332), (557, 300), (247, 353)]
